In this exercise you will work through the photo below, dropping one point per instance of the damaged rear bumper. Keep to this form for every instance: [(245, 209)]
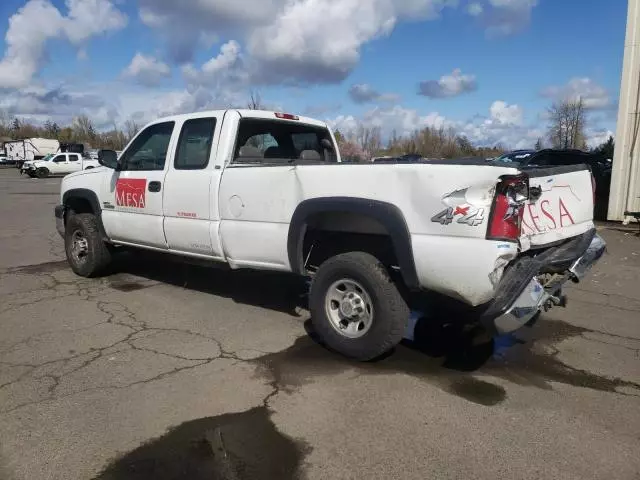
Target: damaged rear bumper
[(520, 295)]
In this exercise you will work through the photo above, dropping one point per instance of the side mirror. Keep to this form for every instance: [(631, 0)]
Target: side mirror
[(326, 144), (108, 158)]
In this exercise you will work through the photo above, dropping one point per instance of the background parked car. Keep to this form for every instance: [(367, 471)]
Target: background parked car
[(600, 167)]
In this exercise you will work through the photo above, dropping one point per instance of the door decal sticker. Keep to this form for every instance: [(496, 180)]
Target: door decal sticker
[(130, 192)]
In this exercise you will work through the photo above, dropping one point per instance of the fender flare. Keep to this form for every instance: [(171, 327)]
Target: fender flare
[(91, 197), (387, 214)]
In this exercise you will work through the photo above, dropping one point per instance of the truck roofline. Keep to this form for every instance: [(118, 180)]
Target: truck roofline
[(244, 113)]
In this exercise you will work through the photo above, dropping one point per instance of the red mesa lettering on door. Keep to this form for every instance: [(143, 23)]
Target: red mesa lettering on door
[(130, 192)]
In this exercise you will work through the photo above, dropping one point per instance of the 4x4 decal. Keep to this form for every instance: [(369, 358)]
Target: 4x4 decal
[(460, 210)]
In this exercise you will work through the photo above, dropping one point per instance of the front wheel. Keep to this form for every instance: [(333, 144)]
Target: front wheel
[(356, 309), (87, 254), (42, 172)]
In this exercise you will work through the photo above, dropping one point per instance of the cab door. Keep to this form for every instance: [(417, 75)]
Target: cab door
[(133, 197), (58, 164), (74, 163), (191, 217)]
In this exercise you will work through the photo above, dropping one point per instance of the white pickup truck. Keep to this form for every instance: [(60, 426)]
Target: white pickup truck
[(266, 190), (57, 164)]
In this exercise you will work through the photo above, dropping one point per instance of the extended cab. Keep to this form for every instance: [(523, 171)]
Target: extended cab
[(60, 164), (266, 190)]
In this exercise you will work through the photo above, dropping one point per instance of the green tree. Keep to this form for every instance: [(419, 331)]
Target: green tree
[(606, 149)]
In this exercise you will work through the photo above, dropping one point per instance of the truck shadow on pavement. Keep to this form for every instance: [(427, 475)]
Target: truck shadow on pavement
[(280, 292)]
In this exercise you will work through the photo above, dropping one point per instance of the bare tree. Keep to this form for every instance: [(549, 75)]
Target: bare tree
[(539, 145), (83, 129), (255, 101), (567, 124), (131, 128), (369, 139)]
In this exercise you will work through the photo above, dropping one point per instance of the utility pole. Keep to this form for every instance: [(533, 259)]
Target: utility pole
[(625, 181)]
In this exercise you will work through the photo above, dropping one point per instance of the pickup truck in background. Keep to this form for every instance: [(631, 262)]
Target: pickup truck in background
[(56, 165), (267, 190)]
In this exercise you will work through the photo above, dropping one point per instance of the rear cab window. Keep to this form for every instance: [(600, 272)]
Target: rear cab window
[(268, 142)]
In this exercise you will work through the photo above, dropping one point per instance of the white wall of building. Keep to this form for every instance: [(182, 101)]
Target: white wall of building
[(625, 181)]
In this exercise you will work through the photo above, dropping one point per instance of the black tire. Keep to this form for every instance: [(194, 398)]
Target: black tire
[(95, 255), (88, 168), (42, 172), (390, 311)]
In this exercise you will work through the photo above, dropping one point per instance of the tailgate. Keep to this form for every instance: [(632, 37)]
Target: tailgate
[(564, 208)]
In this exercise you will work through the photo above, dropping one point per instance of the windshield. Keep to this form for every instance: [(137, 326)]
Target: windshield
[(46, 158)]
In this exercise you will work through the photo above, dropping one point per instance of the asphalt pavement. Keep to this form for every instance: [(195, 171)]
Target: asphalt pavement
[(165, 371)]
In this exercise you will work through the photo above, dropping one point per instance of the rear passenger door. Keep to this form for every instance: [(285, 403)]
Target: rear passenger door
[(74, 162), (261, 189), (191, 217)]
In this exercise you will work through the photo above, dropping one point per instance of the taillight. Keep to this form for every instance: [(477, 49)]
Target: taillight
[(287, 116), (505, 220), (593, 187)]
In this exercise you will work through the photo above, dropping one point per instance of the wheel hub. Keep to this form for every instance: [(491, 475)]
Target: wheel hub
[(349, 308), (352, 305), (79, 246)]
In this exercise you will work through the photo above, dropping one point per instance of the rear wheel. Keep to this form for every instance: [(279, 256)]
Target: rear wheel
[(356, 309), (42, 172), (87, 254)]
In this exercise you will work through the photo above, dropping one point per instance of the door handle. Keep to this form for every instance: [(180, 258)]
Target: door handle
[(154, 186)]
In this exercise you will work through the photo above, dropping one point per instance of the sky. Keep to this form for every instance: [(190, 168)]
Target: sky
[(487, 68)]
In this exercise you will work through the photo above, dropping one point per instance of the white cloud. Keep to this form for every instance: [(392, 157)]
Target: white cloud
[(39, 21), (593, 95), (503, 125), (295, 41), (505, 114), (503, 17), (225, 71), (475, 9), (59, 104), (89, 18), (596, 137), (449, 85), (365, 93), (147, 70)]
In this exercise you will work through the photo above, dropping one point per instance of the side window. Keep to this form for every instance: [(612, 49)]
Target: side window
[(149, 150), (60, 159), (274, 142), (73, 158), (194, 146)]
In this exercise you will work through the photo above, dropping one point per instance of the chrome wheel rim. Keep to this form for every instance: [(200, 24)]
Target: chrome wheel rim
[(349, 308), (79, 247)]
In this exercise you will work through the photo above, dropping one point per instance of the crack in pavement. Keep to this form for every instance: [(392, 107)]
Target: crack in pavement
[(54, 371)]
